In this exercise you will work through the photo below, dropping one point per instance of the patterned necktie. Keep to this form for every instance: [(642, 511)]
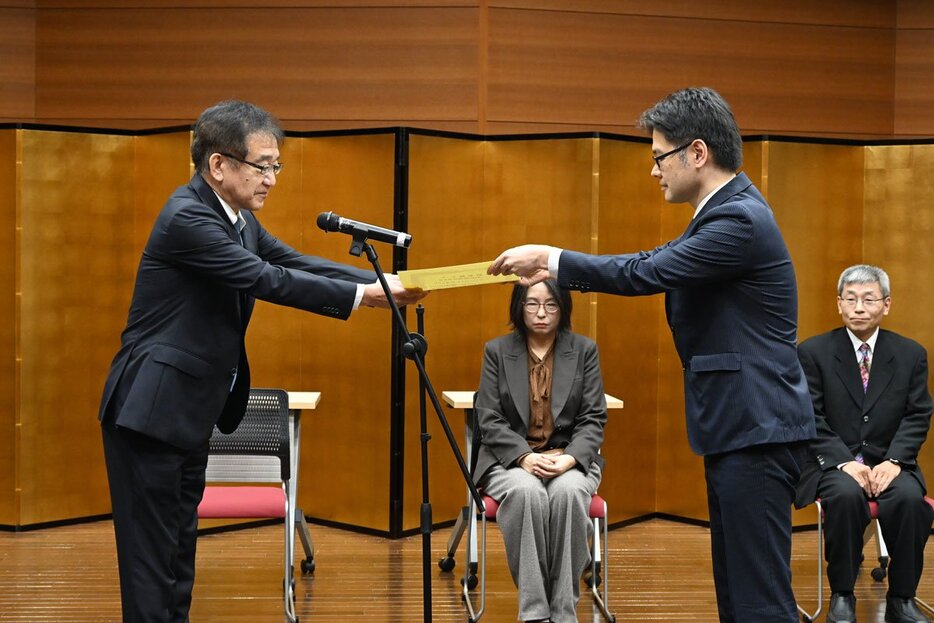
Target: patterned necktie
[(864, 365)]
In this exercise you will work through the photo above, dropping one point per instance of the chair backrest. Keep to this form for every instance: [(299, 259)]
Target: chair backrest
[(258, 451)]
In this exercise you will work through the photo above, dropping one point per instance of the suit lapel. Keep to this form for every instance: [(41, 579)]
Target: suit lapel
[(516, 366), (846, 367), (881, 371), (562, 377)]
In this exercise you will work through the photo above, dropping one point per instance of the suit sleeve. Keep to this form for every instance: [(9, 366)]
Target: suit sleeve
[(592, 415), (828, 443), (274, 251), (719, 250), (913, 428), (194, 238), (506, 444)]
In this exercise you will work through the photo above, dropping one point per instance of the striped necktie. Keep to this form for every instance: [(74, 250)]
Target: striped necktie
[(864, 365)]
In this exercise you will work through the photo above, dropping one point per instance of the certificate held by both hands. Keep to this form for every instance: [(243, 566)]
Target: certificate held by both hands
[(458, 276)]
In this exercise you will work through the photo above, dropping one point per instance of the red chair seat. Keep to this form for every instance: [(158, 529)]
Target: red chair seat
[(597, 507), (242, 502), (873, 507)]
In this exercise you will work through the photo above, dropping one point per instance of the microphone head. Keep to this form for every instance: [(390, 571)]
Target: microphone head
[(328, 221)]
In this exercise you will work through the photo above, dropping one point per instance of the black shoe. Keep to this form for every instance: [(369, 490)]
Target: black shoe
[(842, 608), (903, 610)]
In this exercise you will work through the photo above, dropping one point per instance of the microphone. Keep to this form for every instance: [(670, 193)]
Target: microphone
[(328, 221)]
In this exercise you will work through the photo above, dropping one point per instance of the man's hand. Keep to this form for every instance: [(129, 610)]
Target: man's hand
[(373, 295), (529, 261), (861, 474), (882, 476)]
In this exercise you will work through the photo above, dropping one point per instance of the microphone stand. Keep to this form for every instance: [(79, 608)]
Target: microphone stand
[(415, 348)]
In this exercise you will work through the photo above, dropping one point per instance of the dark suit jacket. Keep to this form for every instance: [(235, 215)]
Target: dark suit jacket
[(194, 293), (578, 405), (889, 421), (732, 306)]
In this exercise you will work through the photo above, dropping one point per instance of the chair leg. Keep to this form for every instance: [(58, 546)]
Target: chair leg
[(805, 616), (882, 554), (288, 582), (474, 615), (603, 602)]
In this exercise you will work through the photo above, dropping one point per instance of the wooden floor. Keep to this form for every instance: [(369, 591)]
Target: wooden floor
[(659, 571)]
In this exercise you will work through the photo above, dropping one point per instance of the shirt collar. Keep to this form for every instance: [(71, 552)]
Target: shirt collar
[(858, 342), (233, 216), (713, 192)]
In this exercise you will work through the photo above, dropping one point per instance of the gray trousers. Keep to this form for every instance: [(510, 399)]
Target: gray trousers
[(546, 527)]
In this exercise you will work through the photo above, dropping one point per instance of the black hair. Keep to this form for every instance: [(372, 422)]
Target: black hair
[(517, 311), (698, 113), (225, 128)]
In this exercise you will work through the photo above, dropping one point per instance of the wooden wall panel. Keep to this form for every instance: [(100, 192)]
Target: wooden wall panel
[(470, 201), (17, 62), (601, 70), (9, 431), (863, 13), (816, 192), (898, 221), (328, 66), (628, 330), (75, 258), (914, 68), (447, 220), (345, 441)]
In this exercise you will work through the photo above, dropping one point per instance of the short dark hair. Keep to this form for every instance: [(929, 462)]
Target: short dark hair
[(698, 113), (225, 127), (517, 313)]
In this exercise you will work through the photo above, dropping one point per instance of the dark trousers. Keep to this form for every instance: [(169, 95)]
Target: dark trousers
[(749, 494), (155, 489), (906, 523)]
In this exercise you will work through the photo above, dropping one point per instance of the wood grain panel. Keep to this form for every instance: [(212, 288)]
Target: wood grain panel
[(914, 14), (576, 68), (76, 259), (821, 221), (898, 222), (9, 302), (17, 63), (403, 63), (345, 451), (446, 220), (914, 80), (629, 330), (470, 201), (864, 13)]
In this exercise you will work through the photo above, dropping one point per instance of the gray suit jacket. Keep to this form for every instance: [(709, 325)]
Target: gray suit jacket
[(578, 405), (889, 421), (184, 339)]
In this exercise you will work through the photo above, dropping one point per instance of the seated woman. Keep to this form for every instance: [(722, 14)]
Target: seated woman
[(541, 413)]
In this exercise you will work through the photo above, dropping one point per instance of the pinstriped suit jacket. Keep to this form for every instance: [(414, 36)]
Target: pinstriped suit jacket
[(195, 288), (732, 306)]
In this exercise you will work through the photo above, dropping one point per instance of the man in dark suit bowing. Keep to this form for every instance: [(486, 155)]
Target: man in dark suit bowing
[(182, 365), (873, 409), (731, 302)]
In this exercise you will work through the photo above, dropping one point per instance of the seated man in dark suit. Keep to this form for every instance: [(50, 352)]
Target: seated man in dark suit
[(873, 409)]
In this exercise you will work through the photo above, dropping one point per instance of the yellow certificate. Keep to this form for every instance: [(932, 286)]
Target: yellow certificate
[(452, 277)]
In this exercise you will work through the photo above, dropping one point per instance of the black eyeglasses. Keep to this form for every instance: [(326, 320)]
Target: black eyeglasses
[(658, 159), (264, 169)]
